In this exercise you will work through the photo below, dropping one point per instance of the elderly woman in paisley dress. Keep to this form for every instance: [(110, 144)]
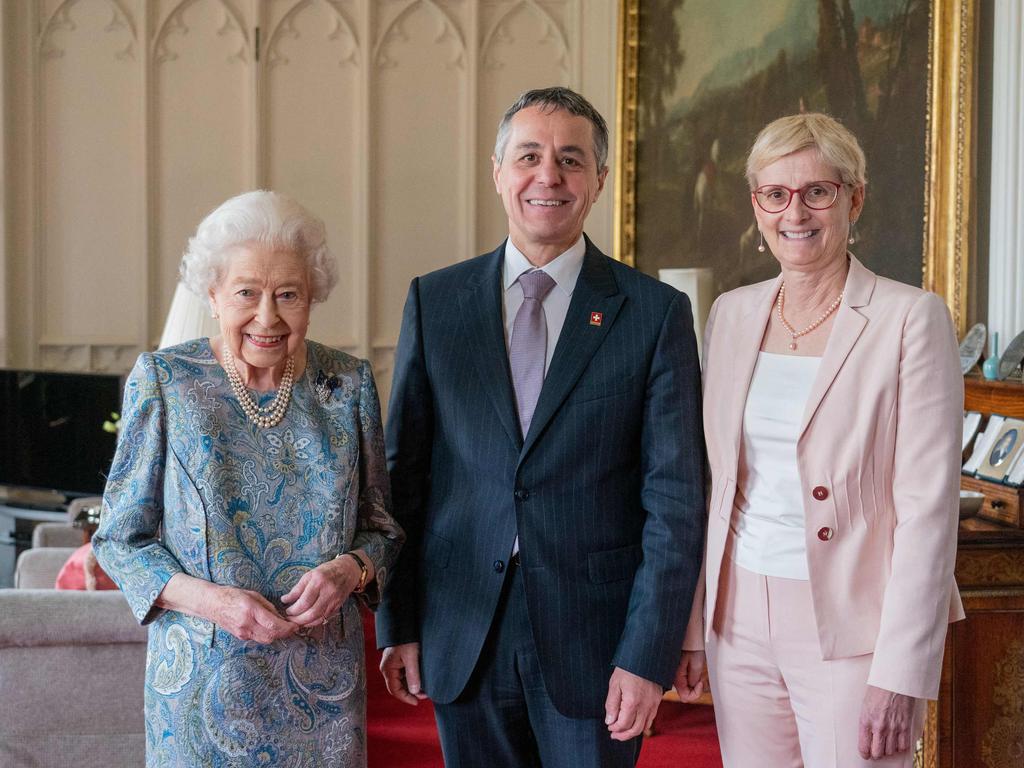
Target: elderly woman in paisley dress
[(248, 505)]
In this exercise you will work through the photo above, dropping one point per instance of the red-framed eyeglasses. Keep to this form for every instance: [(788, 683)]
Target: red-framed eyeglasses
[(817, 195)]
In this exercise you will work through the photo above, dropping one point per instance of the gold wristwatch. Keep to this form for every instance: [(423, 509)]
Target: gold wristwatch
[(364, 572)]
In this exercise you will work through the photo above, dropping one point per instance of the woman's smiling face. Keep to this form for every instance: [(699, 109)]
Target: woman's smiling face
[(802, 238), (263, 304)]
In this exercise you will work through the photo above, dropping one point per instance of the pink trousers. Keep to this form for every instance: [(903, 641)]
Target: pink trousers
[(777, 703)]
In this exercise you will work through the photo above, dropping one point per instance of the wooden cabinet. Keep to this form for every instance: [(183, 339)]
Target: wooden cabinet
[(978, 721)]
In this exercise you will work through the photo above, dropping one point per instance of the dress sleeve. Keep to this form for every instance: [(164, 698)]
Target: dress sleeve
[(127, 543), (377, 532)]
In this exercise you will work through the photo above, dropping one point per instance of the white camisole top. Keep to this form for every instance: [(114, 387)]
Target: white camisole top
[(768, 516)]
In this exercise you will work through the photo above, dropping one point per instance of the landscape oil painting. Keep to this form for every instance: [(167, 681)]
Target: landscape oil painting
[(711, 74)]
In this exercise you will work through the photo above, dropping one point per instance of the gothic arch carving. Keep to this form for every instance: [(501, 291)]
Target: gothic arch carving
[(499, 32), (173, 23), (286, 27), (448, 30), (60, 19)]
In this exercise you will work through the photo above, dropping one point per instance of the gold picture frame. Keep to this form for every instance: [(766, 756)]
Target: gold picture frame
[(948, 234)]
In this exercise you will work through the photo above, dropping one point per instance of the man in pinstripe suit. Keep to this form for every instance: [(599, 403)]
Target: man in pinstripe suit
[(546, 460)]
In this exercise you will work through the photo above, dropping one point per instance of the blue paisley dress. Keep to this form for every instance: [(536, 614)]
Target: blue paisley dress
[(197, 488)]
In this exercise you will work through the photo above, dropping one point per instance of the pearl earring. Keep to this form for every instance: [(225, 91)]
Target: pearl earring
[(853, 233), (760, 245)]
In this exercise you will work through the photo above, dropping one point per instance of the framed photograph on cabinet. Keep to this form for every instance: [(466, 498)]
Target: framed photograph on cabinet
[(1004, 451), (699, 78)]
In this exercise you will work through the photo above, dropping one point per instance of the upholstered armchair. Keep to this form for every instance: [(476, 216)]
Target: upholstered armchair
[(71, 671)]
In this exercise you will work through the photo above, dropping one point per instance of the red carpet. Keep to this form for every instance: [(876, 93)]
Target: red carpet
[(400, 736)]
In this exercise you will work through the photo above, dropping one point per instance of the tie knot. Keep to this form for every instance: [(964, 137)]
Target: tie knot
[(536, 284)]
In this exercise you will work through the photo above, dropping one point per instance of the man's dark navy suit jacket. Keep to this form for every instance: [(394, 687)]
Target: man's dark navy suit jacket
[(606, 491)]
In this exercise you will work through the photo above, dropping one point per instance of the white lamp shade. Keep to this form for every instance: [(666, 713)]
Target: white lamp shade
[(189, 318), (698, 284)]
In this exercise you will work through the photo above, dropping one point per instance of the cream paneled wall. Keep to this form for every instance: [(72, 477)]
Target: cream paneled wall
[(125, 121)]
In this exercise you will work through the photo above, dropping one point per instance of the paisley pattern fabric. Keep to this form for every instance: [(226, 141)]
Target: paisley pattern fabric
[(196, 488)]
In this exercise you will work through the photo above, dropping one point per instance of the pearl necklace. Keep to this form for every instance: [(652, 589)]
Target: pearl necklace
[(268, 416), (793, 332)]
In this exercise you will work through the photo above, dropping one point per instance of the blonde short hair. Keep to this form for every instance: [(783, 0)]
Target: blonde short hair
[(838, 147)]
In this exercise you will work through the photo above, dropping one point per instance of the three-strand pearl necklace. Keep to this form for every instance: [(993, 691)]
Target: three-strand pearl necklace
[(267, 416), (793, 332)]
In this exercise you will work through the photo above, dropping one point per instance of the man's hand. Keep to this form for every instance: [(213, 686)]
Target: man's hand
[(400, 666), (689, 682), (631, 705), (885, 722)]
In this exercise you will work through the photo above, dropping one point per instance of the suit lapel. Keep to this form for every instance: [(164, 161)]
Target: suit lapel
[(481, 309), (748, 335), (595, 291), (849, 324)]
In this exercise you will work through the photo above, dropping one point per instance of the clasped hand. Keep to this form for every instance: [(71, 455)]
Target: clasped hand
[(316, 597)]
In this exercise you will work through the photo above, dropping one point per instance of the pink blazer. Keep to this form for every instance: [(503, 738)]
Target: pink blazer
[(879, 462)]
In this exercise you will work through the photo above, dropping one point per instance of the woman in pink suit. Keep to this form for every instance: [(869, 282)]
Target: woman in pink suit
[(833, 403)]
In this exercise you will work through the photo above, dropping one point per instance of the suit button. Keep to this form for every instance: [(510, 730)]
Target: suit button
[(825, 533), (499, 566), (820, 492), (522, 494)]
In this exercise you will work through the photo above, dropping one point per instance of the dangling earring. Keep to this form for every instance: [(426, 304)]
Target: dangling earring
[(760, 245), (853, 233)]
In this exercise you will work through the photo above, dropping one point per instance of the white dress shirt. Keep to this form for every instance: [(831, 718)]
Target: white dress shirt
[(564, 270), (768, 531)]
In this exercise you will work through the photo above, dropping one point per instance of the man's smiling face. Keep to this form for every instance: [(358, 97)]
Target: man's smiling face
[(548, 179)]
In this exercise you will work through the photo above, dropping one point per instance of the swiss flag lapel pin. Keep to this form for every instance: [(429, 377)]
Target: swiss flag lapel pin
[(596, 318)]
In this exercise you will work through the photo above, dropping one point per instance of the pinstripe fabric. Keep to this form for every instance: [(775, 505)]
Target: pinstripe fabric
[(606, 490)]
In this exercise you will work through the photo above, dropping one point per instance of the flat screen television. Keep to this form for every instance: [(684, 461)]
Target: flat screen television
[(51, 430)]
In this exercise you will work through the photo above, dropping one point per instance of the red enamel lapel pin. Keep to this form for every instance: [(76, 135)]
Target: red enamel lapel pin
[(596, 318)]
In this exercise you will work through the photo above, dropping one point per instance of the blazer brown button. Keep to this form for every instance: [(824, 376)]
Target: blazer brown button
[(820, 492), (825, 533)]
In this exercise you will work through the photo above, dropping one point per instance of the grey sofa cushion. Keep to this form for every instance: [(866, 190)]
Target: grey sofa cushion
[(56, 535), (38, 568), (72, 669), (48, 617)]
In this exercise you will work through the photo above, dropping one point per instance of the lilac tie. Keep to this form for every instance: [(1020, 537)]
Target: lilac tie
[(527, 351)]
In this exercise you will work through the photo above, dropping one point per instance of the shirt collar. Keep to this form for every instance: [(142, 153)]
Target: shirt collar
[(564, 270)]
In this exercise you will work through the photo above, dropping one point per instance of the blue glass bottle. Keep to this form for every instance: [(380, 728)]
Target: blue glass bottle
[(991, 367)]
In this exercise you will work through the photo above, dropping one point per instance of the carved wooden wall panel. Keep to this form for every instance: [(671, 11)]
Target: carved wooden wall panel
[(418, 100), (86, 56)]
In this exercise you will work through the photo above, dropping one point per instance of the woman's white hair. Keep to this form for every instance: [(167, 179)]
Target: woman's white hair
[(266, 218)]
